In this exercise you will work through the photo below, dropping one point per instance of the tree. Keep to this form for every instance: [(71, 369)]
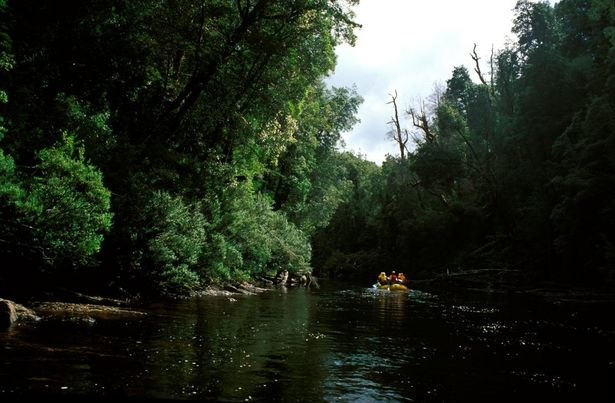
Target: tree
[(307, 184), (58, 215), (459, 88), (535, 26), (176, 103), (399, 135)]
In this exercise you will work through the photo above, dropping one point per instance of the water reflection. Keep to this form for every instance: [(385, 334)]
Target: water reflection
[(245, 350), (322, 345), (390, 308)]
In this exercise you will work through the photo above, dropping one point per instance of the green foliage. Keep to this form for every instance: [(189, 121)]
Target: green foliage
[(535, 25), (11, 195), (178, 245), (58, 215), (222, 261), (459, 89), (342, 247), (173, 234), (437, 165), (265, 240), (307, 185), (197, 114), (90, 126), (7, 171), (67, 205), (586, 186), (450, 122)]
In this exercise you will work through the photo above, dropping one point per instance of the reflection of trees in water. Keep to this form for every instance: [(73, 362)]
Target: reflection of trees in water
[(390, 307), (325, 346), (252, 347)]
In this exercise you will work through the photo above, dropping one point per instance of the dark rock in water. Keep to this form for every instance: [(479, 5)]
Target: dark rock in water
[(10, 312), (8, 315)]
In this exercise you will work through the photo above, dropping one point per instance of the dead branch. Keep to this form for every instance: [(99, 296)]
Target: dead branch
[(475, 57), (420, 121), (491, 66), (399, 136)]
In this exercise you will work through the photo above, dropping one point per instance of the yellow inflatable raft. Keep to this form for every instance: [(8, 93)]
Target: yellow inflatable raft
[(392, 287)]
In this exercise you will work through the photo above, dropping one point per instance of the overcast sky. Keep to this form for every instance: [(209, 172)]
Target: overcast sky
[(408, 45)]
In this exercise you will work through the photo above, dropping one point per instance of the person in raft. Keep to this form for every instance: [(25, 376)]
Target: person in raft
[(402, 279), (393, 278), (382, 278)]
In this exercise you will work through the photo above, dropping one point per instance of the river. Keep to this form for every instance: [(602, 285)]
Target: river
[(333, 343)]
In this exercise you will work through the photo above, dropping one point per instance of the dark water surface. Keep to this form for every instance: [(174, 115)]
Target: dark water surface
[(335, 343)]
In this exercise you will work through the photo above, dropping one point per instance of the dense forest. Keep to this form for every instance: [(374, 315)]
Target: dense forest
[(161, 146), (513, 170)]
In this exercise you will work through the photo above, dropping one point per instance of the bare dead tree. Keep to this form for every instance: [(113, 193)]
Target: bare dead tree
[(492, 72), (478, 71), (421, 121), (475, 57), (399, 135)]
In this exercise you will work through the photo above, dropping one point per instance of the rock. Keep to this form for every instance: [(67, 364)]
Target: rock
[(11, 312), (211, 291), (94, 299), (75, 311), (8, 315), (251, 287), (265, 280), (282, 277)]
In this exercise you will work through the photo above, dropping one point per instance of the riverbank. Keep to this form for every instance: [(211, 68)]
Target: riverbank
[(65, 304), (99, 308), (500, 281)]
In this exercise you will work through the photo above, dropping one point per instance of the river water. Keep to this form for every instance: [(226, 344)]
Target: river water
[(333, 343)]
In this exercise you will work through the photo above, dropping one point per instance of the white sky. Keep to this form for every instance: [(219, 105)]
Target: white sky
[(408, 45)]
